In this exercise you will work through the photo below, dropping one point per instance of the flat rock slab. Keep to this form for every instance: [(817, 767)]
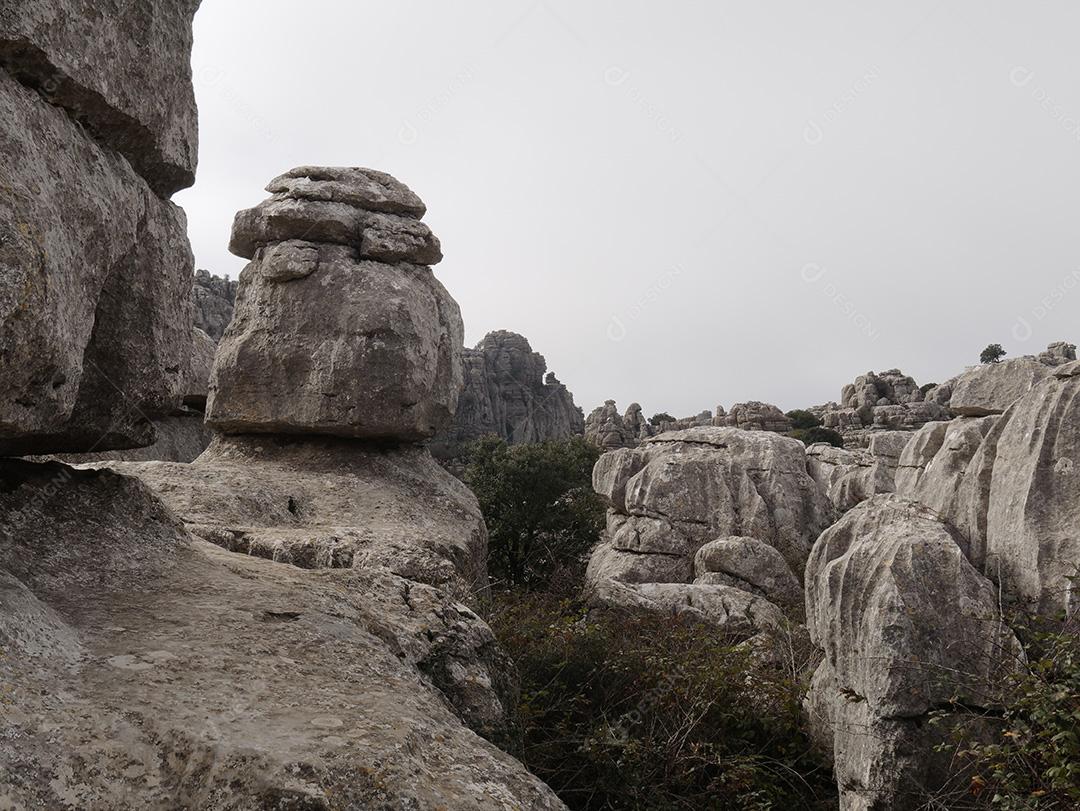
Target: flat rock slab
[(158, 671)]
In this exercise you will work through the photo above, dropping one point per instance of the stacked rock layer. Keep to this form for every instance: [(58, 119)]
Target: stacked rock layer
[(340, 326)]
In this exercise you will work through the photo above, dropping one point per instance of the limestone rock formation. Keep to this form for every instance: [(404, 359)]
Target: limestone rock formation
[(848, 476), (936, 460), (96, 264), (993, 387), (736, 611), (681, 490), (1057, 353), (907, 626), (124, 74), (751, 566), (885, 401), (605, 427), (508, 394), (1017, 502), (329, 336), (214, 299), (328, 503), (144, 668), (753, 416)]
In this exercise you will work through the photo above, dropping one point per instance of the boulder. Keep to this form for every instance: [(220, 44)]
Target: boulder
[(907, 626), (848, 476), (1057, 353), (356, 348), (728, 609), (96, 266), (153, 669), (683, 489), (361, 188), (752, 566), (993, 387), (123, 72)]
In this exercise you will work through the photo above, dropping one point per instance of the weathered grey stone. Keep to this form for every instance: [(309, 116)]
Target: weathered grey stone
[(155, 669), (682, 489), (1057, 353), (362, 188), (754, 416), (385, 237), (123, 70), (329, 503), (605, 427), (356, 348), (180, 437), (934, 463), (393, 238), (507, 394), (214, 298), (907, 625), (1017, 501), (848, 476), (993, 387), (197, 374), (95, 265), (726, 608), (753, 566), (607, 563)]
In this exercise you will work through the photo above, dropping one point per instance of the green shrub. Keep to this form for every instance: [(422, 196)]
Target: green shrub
[(639, 711), (541, 512), (992, 354), (1034, 764), (808, 436), (656, 420), (802, 419)]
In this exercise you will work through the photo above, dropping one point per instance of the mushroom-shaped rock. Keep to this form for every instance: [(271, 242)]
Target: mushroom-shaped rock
[(340, 326)]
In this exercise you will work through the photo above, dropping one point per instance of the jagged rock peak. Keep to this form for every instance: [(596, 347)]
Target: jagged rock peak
[(214, 298), (369, 211), (509, 393), (340, 328)]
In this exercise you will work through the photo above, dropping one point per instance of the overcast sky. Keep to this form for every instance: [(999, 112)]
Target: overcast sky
[(685, 203)]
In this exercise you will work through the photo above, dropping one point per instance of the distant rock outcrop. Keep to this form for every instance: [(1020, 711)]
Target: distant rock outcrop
[(874, 402), (214, 298), (608, 429), (509, 393)]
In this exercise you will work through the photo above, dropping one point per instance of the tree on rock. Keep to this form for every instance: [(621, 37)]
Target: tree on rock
[(992, 354), (656, 420)]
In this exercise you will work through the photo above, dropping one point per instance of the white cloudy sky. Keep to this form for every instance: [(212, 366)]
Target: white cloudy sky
[(685, 203)]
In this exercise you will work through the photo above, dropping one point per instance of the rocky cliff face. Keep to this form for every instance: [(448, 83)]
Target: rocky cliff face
[(213, 299), (96, 136), (509, 393)]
